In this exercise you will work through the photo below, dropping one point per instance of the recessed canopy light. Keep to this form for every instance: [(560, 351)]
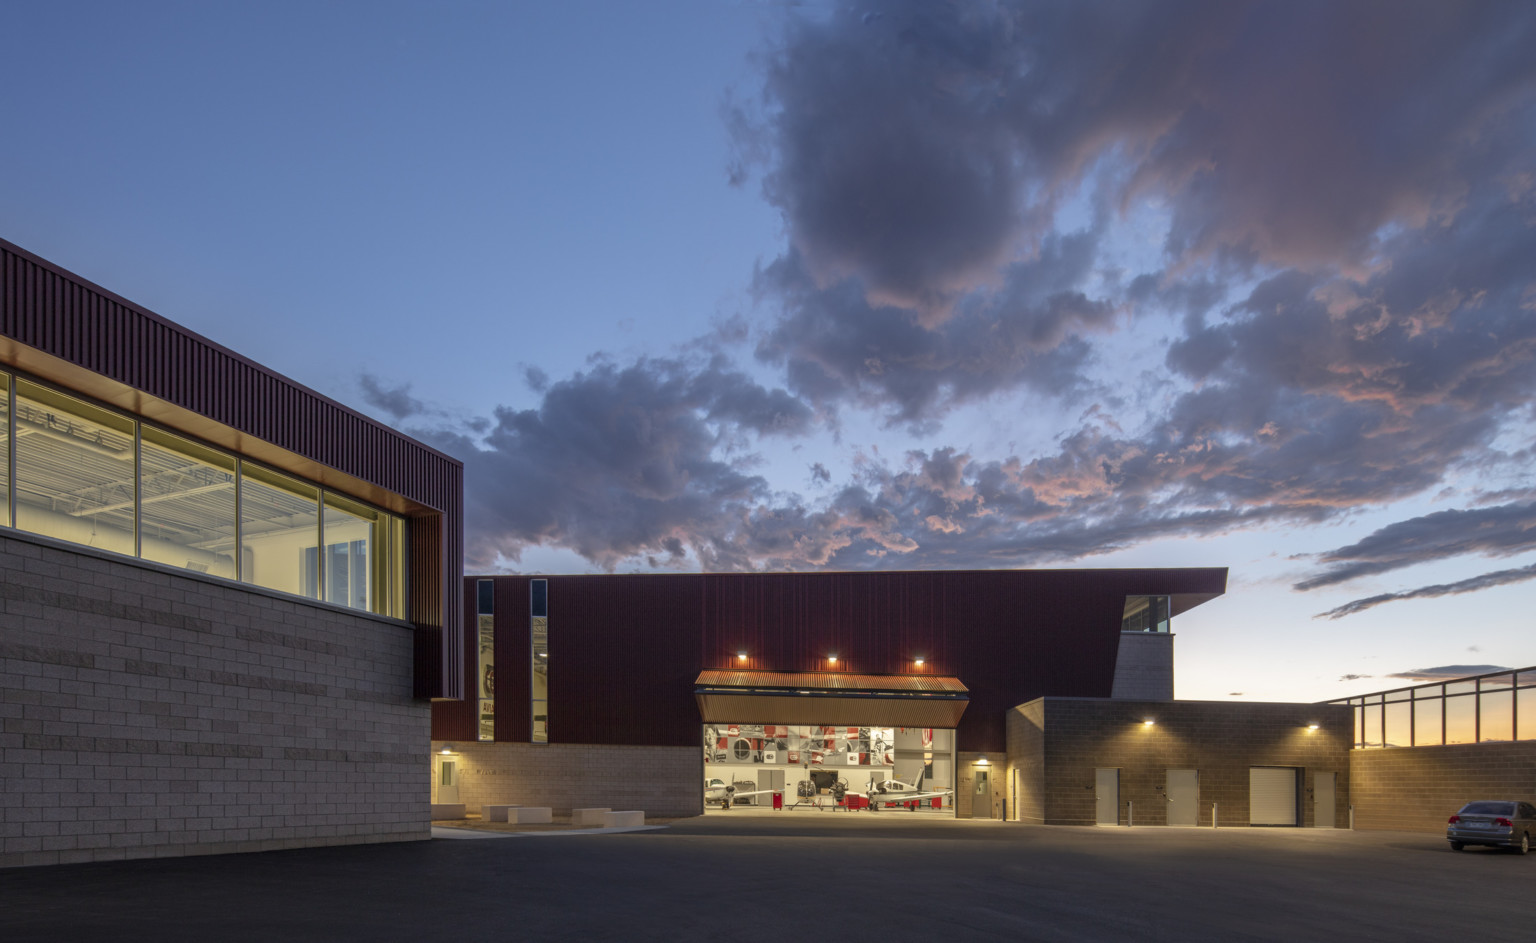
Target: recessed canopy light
[(1312, 726), (1148, 722), (741, 656), (920, 662), (832, 659)]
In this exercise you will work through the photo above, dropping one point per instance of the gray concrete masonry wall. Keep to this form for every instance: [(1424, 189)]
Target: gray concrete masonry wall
[(146, 713), (1417, 788), (661, 781), (1220, 739)]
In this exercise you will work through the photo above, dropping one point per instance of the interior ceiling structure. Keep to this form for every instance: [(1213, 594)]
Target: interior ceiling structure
[(68, 465)]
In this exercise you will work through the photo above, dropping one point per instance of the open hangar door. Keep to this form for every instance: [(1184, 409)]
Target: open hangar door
[(829, 739), (825, 766)]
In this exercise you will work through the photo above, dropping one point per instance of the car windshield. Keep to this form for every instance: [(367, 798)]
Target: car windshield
[(1488, 808)]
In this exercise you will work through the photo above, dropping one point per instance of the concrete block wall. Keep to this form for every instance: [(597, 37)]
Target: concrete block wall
[(148, 713), (1220, 739), (1144, 667), (662, 781), (1417, 788), (1025, 766)]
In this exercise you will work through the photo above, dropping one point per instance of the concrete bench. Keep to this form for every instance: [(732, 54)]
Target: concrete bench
[(496, 813), (448, 810), (589, 817), (529, 815), (617, 819)]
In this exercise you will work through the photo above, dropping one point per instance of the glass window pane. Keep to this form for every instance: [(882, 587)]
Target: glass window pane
[(186, 504), (1399, 733), (279, 532), (1496, 682), (1496, 711), (1427, 723), (1461, 719), (349, 534), (74, 470), (1371, 734), (1525, 720), (1145, 614), (1433, 690), (538, 609), (1461, 687), (1399, 695), (5, 449), (389, 566)]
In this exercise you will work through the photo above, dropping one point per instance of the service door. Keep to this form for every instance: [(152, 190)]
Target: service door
[(1323, 808), (447, 779), (1183, 792), (1106, 795), (1272, 795)]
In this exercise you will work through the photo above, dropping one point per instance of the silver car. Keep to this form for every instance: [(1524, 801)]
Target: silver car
[(1497, 823)]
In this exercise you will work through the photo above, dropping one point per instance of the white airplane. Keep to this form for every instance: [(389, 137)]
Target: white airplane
[(717, 790), (894, 790)]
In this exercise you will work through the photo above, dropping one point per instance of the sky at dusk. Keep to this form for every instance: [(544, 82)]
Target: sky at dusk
[(733, 285)]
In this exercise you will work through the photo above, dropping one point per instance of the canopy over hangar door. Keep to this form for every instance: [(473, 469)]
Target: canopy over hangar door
[(1272, 795), (822, 697)]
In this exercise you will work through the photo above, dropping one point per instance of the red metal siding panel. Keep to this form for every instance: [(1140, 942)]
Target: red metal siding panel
[(625, 650)]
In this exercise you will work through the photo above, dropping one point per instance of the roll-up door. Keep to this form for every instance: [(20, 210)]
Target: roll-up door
[(1272, 795)]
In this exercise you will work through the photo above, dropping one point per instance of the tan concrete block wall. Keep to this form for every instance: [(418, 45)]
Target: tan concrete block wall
[(1025, 726), (1417, 788), (661, 781), (146, 713), (1221, 740)]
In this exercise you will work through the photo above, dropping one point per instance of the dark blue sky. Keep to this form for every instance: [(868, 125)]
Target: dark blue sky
[(852, 285)]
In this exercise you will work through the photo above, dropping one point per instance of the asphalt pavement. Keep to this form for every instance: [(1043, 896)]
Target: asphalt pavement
[(802, 877)]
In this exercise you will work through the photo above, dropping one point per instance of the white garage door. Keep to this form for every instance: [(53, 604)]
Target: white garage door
[(1272, 795)]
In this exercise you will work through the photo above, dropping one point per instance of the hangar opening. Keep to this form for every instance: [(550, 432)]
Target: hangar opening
[(829, 740)]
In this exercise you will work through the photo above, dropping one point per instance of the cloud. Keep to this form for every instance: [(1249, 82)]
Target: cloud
[(1493, 531), (619, 462), (1446, 672), (1471, 585), (396, 401), (1276, 255), (1353, 677), (915, 149)]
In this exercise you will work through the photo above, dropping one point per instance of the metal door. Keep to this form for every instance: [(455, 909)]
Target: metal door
[(1183, 792), (1272, 795), (447, 779), (1106, 796), (1323, 808)]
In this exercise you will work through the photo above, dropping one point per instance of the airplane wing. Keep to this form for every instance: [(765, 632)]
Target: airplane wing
[(879, 797)]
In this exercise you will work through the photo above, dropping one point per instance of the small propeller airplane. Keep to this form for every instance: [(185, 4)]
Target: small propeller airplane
[(718, 790), (894, 790)]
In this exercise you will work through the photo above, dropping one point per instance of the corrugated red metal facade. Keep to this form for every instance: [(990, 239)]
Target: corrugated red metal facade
[(625, 651), (183, 376)]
